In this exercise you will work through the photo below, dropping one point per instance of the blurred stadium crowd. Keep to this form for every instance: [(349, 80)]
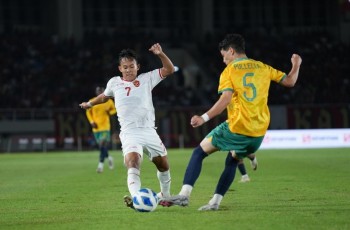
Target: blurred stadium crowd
[(38, 71)]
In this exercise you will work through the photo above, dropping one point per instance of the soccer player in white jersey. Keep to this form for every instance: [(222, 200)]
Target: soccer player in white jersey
[(132, 94)]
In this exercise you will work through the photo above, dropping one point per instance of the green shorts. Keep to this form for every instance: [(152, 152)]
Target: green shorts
[(102, 136), (223, 139)]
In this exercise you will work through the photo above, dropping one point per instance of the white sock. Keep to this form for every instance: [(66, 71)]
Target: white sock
[(134, 182), (165, 182), (100, 165), (110, 158), (186, 190), (217, 198)]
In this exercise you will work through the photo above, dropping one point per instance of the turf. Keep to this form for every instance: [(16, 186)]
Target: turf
[(292, 189)]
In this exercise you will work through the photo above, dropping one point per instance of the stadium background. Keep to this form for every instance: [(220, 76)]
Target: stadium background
[(54, 53)]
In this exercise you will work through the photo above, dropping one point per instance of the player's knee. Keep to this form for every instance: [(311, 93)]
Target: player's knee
[(199, 152), (103, 144), (161, 163), (231, 160), (132, 160)]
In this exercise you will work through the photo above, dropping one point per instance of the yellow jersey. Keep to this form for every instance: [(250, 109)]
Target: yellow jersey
[(100, 114), (249, 80)]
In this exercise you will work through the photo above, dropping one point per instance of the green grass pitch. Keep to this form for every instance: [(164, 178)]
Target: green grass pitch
[(292, 189)]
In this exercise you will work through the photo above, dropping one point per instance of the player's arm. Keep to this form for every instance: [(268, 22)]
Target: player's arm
[(215, 110), (97, 100), (168, 67), (292, 77)]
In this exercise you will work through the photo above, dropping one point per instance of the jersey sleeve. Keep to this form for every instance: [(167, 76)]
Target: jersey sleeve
[(225, 83), (276, 75), (153, 76), (108, 91)]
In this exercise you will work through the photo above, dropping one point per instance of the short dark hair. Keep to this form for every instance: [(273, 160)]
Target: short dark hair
[(235, 41), (99, 89), (128, 54)]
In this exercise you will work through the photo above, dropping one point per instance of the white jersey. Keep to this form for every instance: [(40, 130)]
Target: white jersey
[(133, 100)]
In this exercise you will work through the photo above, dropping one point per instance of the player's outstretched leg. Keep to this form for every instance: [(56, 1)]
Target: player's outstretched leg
[(224, 183), (192, 173)]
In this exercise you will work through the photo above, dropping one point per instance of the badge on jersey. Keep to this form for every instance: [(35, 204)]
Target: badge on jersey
[(136, 83)]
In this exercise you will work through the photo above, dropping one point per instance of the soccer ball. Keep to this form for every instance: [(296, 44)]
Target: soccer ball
[(145, 200)]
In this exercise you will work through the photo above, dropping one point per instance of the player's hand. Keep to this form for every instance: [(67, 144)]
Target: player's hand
[(156, 49), (197, 121), (85, 105), (93, 125), (296, 60)]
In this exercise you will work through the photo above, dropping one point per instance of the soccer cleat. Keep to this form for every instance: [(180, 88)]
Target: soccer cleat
[(209, 207), (99, 170), (161, 196), (161, 200), (128, 202), (244, 178), (110, 162), (254, 163), (180, 200)]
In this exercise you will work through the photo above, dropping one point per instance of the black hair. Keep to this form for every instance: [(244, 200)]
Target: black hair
[(128, 54), (101, 88), (235, 41)]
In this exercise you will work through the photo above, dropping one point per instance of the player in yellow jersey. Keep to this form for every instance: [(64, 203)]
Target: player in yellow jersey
[(99, 118), (244, 86)]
